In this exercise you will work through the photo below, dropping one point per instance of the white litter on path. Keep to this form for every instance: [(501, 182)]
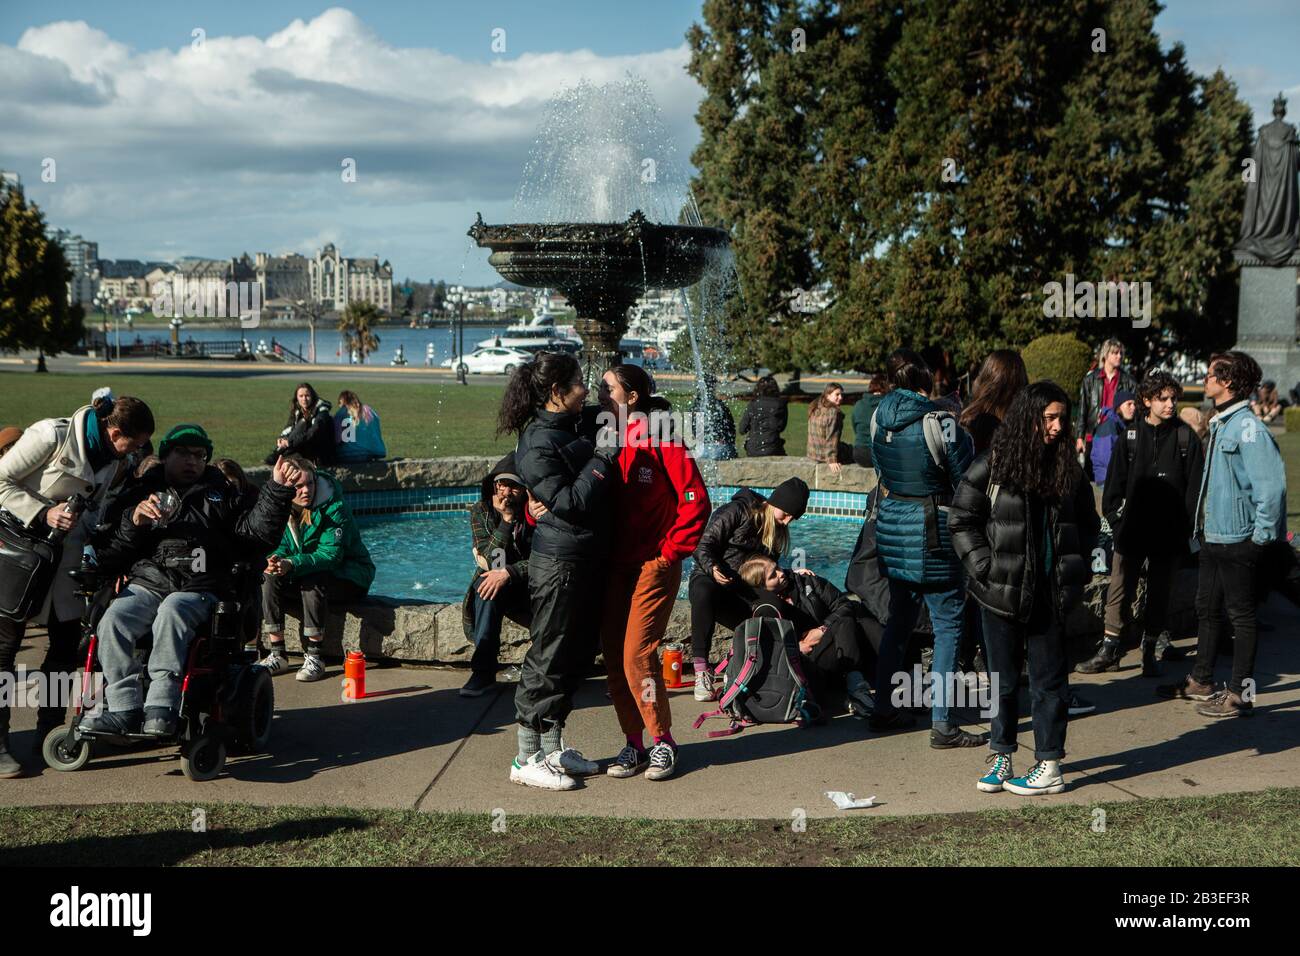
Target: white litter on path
[(847, 801)]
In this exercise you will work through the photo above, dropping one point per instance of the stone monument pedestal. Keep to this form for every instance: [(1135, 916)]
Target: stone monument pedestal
[(1266, 318)]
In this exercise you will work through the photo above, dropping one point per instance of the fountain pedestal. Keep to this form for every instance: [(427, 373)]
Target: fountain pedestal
[(601, 268)]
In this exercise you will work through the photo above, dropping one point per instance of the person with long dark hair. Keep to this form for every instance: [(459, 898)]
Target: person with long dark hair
[(1001, 378), (85, 454), (660, 506), (569, 481), (920, 454), (765, 419), (1023, 522), (310, 429)]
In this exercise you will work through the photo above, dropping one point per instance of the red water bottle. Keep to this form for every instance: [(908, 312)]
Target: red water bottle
[(672, 664), (354, 676)]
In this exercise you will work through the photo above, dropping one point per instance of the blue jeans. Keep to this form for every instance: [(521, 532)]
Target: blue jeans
[(174, 620), (947, 606), (488, 617)]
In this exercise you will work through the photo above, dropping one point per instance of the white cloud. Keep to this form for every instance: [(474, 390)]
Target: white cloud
[(237, 144)]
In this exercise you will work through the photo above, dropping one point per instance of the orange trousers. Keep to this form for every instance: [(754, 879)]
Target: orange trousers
[(638, 601)]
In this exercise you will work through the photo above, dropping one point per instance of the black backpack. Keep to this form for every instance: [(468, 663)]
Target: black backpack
[(765, 683)]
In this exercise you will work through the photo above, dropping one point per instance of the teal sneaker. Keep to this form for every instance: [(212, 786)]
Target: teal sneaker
[(1043, 777), (997, 775)]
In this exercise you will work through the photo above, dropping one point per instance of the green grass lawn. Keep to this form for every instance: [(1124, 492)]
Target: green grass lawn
[(1240, 829)]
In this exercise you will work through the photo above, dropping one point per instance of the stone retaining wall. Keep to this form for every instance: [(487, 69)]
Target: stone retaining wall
[(422, 632)]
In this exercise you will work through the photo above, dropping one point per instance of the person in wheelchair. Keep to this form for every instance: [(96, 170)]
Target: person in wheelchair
[(181, 531)]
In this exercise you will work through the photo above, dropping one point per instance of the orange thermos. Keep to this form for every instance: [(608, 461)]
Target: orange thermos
[(354, 676), (672, 663)]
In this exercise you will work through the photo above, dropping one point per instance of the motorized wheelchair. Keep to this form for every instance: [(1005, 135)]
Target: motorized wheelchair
[(227, 699)]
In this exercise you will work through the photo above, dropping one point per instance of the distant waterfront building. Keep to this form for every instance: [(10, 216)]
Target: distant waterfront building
[(340, 281), (283, 277), (83, 259), (127, 282), (208, 279)]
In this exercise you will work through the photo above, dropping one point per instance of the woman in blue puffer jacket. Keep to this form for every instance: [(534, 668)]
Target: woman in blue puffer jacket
[(920, 454)]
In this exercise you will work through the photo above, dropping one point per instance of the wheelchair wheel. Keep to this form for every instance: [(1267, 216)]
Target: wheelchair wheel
[(253, 728), (63, 753), (203, 758)]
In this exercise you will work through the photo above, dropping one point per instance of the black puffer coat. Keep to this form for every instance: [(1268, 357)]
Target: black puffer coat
[(764, 420), (311, 436), (213, 520), (564, 472), (998, 550), (730, 537)]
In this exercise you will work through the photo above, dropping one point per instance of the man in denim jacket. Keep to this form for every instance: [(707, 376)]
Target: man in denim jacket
[(1241, 509)]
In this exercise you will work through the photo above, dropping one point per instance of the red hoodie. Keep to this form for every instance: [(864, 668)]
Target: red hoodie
[(661, 506)]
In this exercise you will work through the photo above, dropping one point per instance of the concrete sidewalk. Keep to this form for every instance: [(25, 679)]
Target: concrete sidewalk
[(414, 743)]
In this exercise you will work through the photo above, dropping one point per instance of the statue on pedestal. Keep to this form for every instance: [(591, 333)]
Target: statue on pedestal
[(1270, 225)]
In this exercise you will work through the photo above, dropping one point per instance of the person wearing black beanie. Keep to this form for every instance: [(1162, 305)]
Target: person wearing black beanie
[(791, 496)]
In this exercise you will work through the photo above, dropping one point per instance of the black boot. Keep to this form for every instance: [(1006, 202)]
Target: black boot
[(1150, 657), (1106, 658)]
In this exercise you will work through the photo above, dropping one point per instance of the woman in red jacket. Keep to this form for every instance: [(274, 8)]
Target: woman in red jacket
[(659, 512)]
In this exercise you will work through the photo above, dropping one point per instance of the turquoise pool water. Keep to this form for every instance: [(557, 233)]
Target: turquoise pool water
[(426, 556)]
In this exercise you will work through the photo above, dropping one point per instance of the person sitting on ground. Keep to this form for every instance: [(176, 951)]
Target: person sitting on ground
[(837, 637), (863, 409), (357, 433), (501, 539), (8, 437), (746, 525), (825, 426), (320, 556), (1113, 425), (715, 428), (180, 533), (310, 430), (765, 419), (1268, 404)]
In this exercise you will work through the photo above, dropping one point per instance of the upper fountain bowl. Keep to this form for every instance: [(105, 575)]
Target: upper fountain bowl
[(591, 256)]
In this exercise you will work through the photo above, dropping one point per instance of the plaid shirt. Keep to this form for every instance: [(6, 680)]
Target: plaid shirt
[(824, 428), (492, 537)]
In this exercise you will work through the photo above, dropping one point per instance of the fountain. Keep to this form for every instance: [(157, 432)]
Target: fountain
[(601, 268)]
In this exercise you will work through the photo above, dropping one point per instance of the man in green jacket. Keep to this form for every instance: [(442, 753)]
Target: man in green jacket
[(322, 557)]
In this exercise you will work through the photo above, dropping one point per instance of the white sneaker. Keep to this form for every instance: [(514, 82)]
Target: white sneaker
[(704, 686), (275, 661), (313, 668), (628, 763), (536, 771), (1044, 777), (567, 760)]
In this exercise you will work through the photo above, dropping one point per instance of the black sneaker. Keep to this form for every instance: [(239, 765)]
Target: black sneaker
[(1078, 706), (479, 683), (160, 722), (120, 723), (958, 738)]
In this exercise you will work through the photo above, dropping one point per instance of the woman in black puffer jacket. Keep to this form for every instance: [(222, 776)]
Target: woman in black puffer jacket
[(1023, 523), (765, 419), (568, 479)]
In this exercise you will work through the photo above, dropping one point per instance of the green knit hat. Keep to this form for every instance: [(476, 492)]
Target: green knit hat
[(188, 435)]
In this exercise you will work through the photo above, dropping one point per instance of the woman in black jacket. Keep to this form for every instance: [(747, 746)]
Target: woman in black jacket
[(568, 479), (745, 526), (310, 429), (1023, 522), (764, 420)]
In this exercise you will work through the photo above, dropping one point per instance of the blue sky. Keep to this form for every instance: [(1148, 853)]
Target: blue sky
[(163, 150)]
